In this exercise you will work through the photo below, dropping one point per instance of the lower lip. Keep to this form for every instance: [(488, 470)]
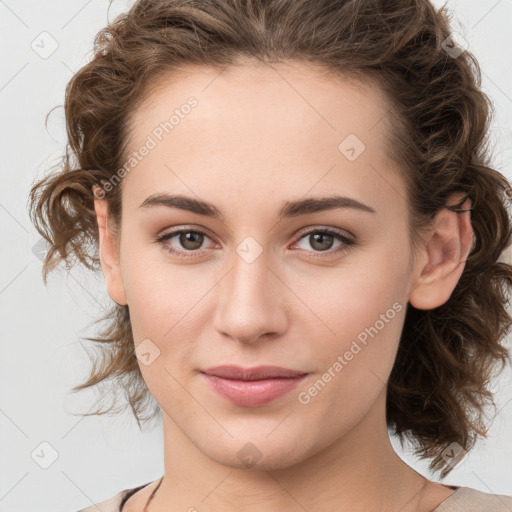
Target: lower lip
[(255, 392)]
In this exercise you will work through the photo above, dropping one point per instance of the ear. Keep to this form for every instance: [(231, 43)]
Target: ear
[(109, 255), (442, 258)]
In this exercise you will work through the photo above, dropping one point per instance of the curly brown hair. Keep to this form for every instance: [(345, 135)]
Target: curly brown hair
[(438, 389)]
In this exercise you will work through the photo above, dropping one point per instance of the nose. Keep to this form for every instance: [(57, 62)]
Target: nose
[(252, 300)]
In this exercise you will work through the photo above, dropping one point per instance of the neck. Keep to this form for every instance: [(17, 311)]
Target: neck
[(360, 471)]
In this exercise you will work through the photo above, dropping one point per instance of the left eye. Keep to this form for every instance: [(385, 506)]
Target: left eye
[(322, 240), (191, 241)]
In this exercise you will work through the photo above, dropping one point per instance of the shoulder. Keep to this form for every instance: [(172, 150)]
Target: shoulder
[(110, 505), (114, 503), (467, 499)]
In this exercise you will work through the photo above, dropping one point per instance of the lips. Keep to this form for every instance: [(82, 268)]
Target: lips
[(257, 373), (252, 387)]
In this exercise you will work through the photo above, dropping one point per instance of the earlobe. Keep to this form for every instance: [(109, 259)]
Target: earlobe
[(108, 252), (443, 257)]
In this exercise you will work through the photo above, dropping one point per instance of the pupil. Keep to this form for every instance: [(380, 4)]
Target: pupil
[(321, 237), (190, 237)]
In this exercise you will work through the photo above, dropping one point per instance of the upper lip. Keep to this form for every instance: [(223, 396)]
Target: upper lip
[(255, 373)]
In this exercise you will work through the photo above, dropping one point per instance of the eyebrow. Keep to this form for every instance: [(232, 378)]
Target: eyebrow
[(288, 210)]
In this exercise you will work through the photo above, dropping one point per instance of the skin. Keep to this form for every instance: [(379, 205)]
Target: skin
[(260, 136)]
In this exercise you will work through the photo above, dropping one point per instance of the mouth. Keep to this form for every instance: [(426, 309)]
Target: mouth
[(248, 374), (252, 387)]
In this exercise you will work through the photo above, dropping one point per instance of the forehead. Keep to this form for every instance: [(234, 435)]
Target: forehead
[(258, 131)]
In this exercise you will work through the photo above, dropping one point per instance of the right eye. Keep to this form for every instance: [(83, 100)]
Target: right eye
[(190, 240)]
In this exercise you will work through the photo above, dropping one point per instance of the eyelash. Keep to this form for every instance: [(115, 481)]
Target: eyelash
[(346, 246)]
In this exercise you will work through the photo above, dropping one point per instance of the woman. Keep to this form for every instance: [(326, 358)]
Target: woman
[(295, 214)]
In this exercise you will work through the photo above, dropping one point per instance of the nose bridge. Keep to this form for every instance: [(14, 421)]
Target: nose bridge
[(249, 303), (250, 274)]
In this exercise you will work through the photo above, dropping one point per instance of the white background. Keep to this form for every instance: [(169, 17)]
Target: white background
[(41, 357)]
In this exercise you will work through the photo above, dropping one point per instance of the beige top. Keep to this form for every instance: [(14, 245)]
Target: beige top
[(464, 499)]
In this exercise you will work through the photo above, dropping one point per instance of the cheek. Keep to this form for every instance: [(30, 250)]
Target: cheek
[(353, 296), (338, 304), (362, 310), (159, 291), (365, 333), (357, 359)]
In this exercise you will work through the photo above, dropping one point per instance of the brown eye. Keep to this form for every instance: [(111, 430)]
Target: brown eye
[(322, 240), (191, 240), (186, 241)]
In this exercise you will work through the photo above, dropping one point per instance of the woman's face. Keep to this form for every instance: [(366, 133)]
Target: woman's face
[(260, 288)]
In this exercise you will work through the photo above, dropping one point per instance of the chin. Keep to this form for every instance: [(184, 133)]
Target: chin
[(257, 454)]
